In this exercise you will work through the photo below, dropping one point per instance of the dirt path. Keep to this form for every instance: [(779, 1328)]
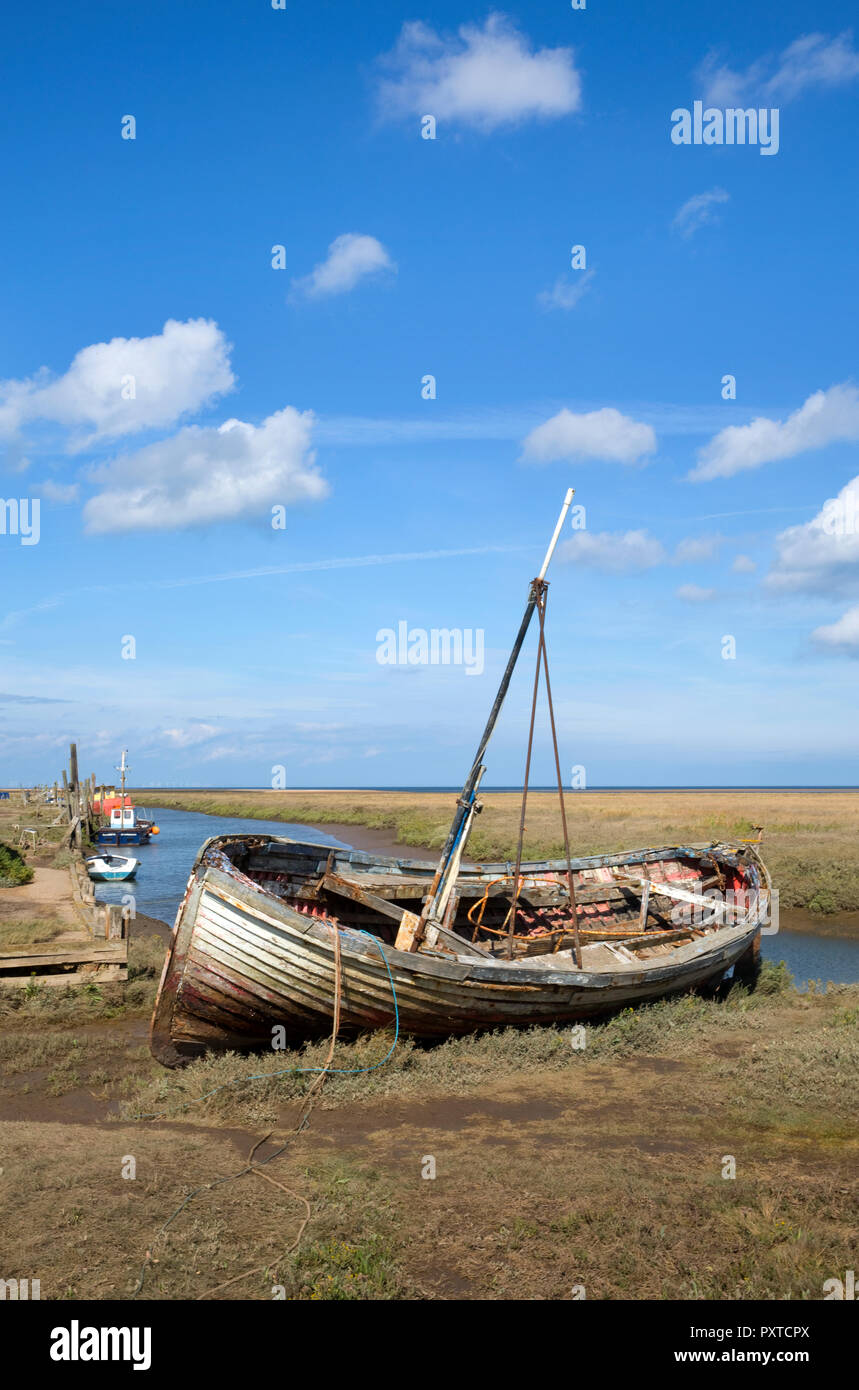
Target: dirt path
[(49, 894)]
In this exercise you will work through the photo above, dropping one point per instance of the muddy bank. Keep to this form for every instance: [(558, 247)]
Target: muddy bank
[(151, 926), (799, 919), (378, 842)]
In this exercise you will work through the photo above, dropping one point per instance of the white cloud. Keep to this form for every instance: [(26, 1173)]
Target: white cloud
[(696, 548), (482, 77), (822, 555), (614, 552), (693, 593), (843, 635), (57, 492), (814, 60), (204, 475), (623, 551), (827, 417), (221, 750), (565, 294), (126, 385), (743, 564), (699, 211), (599, 434), (350, 258), (188, 737)]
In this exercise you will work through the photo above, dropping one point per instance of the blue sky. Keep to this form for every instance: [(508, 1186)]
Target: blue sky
[(150, 260)]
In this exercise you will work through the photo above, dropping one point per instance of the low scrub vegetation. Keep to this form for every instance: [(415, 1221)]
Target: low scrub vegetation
[(13, 868)]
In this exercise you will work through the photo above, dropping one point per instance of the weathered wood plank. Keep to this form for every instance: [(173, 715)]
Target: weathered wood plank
[(110, 974), (80, 955)]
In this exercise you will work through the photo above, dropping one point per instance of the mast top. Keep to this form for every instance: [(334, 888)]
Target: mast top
[(571, 492)]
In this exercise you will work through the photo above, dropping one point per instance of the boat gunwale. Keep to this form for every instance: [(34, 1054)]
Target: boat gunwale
[(647, 854), (470, 970), (265, 906), (726, 943)]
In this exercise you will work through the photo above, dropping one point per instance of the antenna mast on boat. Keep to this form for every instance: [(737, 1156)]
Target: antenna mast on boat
[(451, 855), (122, 769)]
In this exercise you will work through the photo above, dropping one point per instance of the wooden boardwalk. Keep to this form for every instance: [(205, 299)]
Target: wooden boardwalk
[(52, 931)]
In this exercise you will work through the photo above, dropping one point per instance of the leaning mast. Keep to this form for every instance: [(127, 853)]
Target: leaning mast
[(451, 855)]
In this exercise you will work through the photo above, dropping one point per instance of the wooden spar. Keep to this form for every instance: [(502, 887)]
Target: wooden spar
[(456, 858), (514, 899), (462, 817), (333, 883)]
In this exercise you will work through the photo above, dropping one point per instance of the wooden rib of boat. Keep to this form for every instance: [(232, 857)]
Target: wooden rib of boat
[(253, 946)]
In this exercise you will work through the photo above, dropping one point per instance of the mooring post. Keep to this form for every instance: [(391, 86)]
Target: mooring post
[(73, 767)]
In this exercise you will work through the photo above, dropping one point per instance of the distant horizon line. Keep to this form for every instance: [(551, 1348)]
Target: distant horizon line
[(507, 787), (607, 787)]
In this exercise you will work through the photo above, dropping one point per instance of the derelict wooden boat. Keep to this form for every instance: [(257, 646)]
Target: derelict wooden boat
[(253, 946), (276, 933)]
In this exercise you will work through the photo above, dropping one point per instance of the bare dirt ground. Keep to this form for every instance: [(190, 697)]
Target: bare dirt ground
[(554, 1168), (40, 915), (49, 892), (48, 897)]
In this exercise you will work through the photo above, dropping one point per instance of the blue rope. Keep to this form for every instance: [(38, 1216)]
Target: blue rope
[(298, 1071)]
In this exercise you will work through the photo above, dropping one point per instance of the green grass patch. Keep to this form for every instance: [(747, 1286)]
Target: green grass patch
[(13, 868), (30, 931), (245, 1089)]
